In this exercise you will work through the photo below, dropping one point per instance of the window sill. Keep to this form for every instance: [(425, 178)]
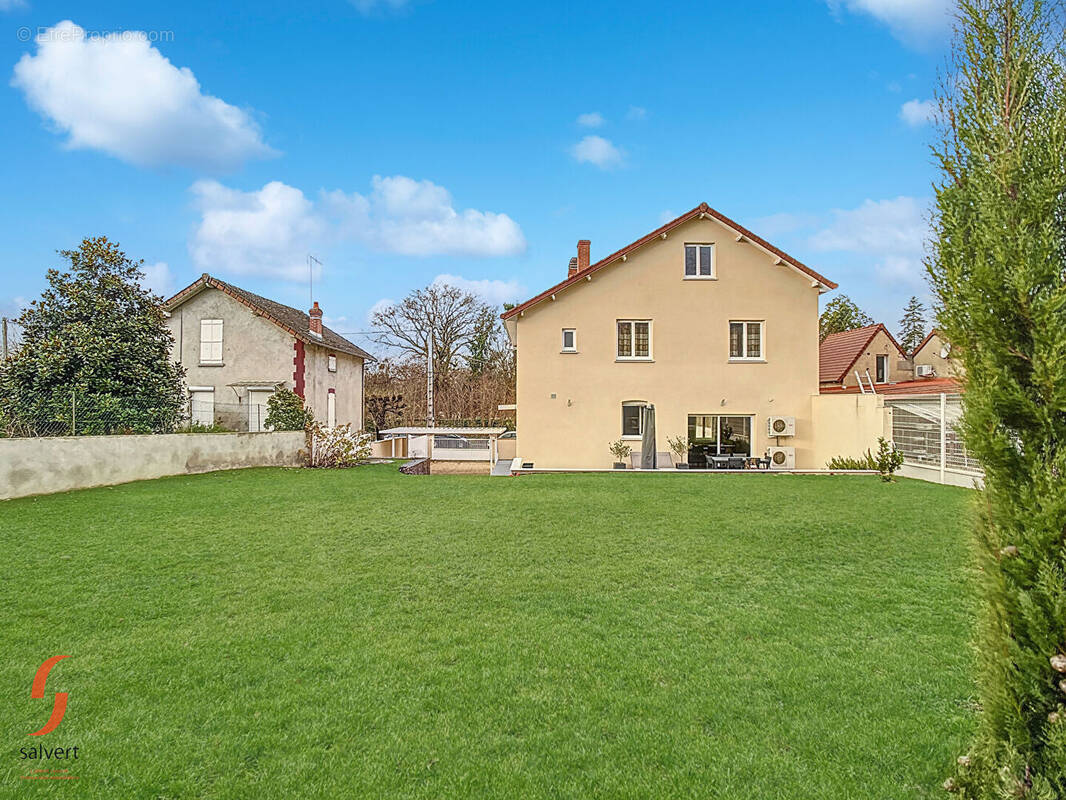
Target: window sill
[(634, 361), (569, 352), (747, 361), (211, 364), (699, 278), (632, 438)]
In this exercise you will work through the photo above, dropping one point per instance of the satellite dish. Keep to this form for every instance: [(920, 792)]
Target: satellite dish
[(945, 351)]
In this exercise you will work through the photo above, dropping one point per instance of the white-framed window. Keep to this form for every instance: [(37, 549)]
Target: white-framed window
[(210, 341), (634, 339), (569, 340), (882, 369), (699, 260), (721, 435), (633, 419), (331, 363), (745, 341)]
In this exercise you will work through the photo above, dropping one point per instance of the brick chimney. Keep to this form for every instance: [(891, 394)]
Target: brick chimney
[(583, 255), (315, 320), (571, 271)]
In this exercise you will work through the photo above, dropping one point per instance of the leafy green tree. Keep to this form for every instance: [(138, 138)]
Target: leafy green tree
[(913, 326), (841, 314), (998, 269), (286, 410), (95, 354)]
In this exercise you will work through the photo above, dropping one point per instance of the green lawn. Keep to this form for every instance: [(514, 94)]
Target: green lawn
[(293, 633)]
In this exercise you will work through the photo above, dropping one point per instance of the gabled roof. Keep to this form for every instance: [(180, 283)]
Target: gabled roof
[(925, 341), (701, 211), (921, 386), (289, 319), (838, 352)]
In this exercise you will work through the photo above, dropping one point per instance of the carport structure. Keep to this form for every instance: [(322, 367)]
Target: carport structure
[(449, 444)]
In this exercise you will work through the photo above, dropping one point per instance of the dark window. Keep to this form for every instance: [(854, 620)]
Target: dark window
[(705, 260), (631, 420), (690, 260)]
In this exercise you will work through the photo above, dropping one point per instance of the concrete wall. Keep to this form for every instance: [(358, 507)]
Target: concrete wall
[(949, 477), (570, 404), (256, 352), (46, 465), (848, 425)]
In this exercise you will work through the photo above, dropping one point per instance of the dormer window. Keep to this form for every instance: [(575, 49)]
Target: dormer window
[(699, 261)]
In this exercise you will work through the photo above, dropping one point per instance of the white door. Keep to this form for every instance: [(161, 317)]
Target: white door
[(257, 409), (331, 410), (418, 447), (202, 407)]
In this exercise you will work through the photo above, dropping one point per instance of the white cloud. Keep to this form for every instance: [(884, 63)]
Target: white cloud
[(913, 21), (597, 150), (119, 94), (917, 112), (893, 231), (158, 278), (493, 292), (636, 112), (417, 218), (667, 215), (9, 5), (266, 232), (271, 231), (593, 119)]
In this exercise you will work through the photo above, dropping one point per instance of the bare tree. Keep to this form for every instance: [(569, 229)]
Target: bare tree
[(449, 316)]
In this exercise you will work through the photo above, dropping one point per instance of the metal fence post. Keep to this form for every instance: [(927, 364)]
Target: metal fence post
[(73, 416), (943, 436)]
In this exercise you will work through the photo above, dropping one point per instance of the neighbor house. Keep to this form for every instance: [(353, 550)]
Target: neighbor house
[(714, 326), (871, 354), (932, 358), (237, 347)]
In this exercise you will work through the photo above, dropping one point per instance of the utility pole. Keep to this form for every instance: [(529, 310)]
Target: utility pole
[(429, 384)]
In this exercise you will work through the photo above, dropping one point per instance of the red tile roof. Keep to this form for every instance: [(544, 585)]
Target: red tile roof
[(700, 210), (921, 386), (838, 352), (289, 319)]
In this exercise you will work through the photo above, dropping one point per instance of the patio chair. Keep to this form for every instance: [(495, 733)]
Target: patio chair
[(737, 462)]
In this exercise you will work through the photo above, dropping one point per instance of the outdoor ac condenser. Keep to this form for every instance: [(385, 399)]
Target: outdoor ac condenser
[(780, 426), (782, 457), (925, 370)]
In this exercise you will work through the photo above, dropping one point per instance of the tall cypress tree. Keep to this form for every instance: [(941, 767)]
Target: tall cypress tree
[(998, 268), (912, 325)]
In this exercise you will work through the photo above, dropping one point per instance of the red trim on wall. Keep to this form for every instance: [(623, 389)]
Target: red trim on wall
[(332, 391), (298, 373)]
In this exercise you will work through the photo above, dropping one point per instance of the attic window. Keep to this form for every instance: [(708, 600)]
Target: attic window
[(699, 261)]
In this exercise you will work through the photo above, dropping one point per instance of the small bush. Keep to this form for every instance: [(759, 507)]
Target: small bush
[(286, 411), (620, 450), (889, 459), (199, 427), (679, 447), (336, 447), (865, 461)]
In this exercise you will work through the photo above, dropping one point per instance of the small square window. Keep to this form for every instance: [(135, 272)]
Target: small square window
[(569, 340), (332, 363), (699, 260)]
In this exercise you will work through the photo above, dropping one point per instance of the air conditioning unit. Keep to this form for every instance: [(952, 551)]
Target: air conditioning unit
[(780, 426), (782, 457), (925, 371)]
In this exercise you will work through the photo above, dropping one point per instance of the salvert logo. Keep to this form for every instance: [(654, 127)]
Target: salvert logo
[(59, 709)]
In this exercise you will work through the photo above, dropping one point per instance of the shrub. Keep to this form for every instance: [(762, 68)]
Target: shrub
[(620, 450), (889, 459), (865, 461), (336, 447), (679, 447), (286, 410)]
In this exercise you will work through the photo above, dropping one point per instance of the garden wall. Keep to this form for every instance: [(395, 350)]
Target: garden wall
[(848, 425), (46, 465)]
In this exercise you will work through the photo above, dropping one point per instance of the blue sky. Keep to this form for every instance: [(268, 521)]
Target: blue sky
[(402, 140)]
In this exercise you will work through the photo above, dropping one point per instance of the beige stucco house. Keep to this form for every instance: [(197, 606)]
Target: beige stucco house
[(935, 353), (714, 326), (871, 353), (237, 346)]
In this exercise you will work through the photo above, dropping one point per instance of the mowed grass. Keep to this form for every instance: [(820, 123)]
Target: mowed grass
[(293, 633)]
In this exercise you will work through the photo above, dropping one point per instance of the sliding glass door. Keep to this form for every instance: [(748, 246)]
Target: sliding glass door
[(719, 435)]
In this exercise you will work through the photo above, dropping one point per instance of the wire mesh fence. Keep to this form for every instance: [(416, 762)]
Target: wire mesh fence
[(925, 429), (82, 417)]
